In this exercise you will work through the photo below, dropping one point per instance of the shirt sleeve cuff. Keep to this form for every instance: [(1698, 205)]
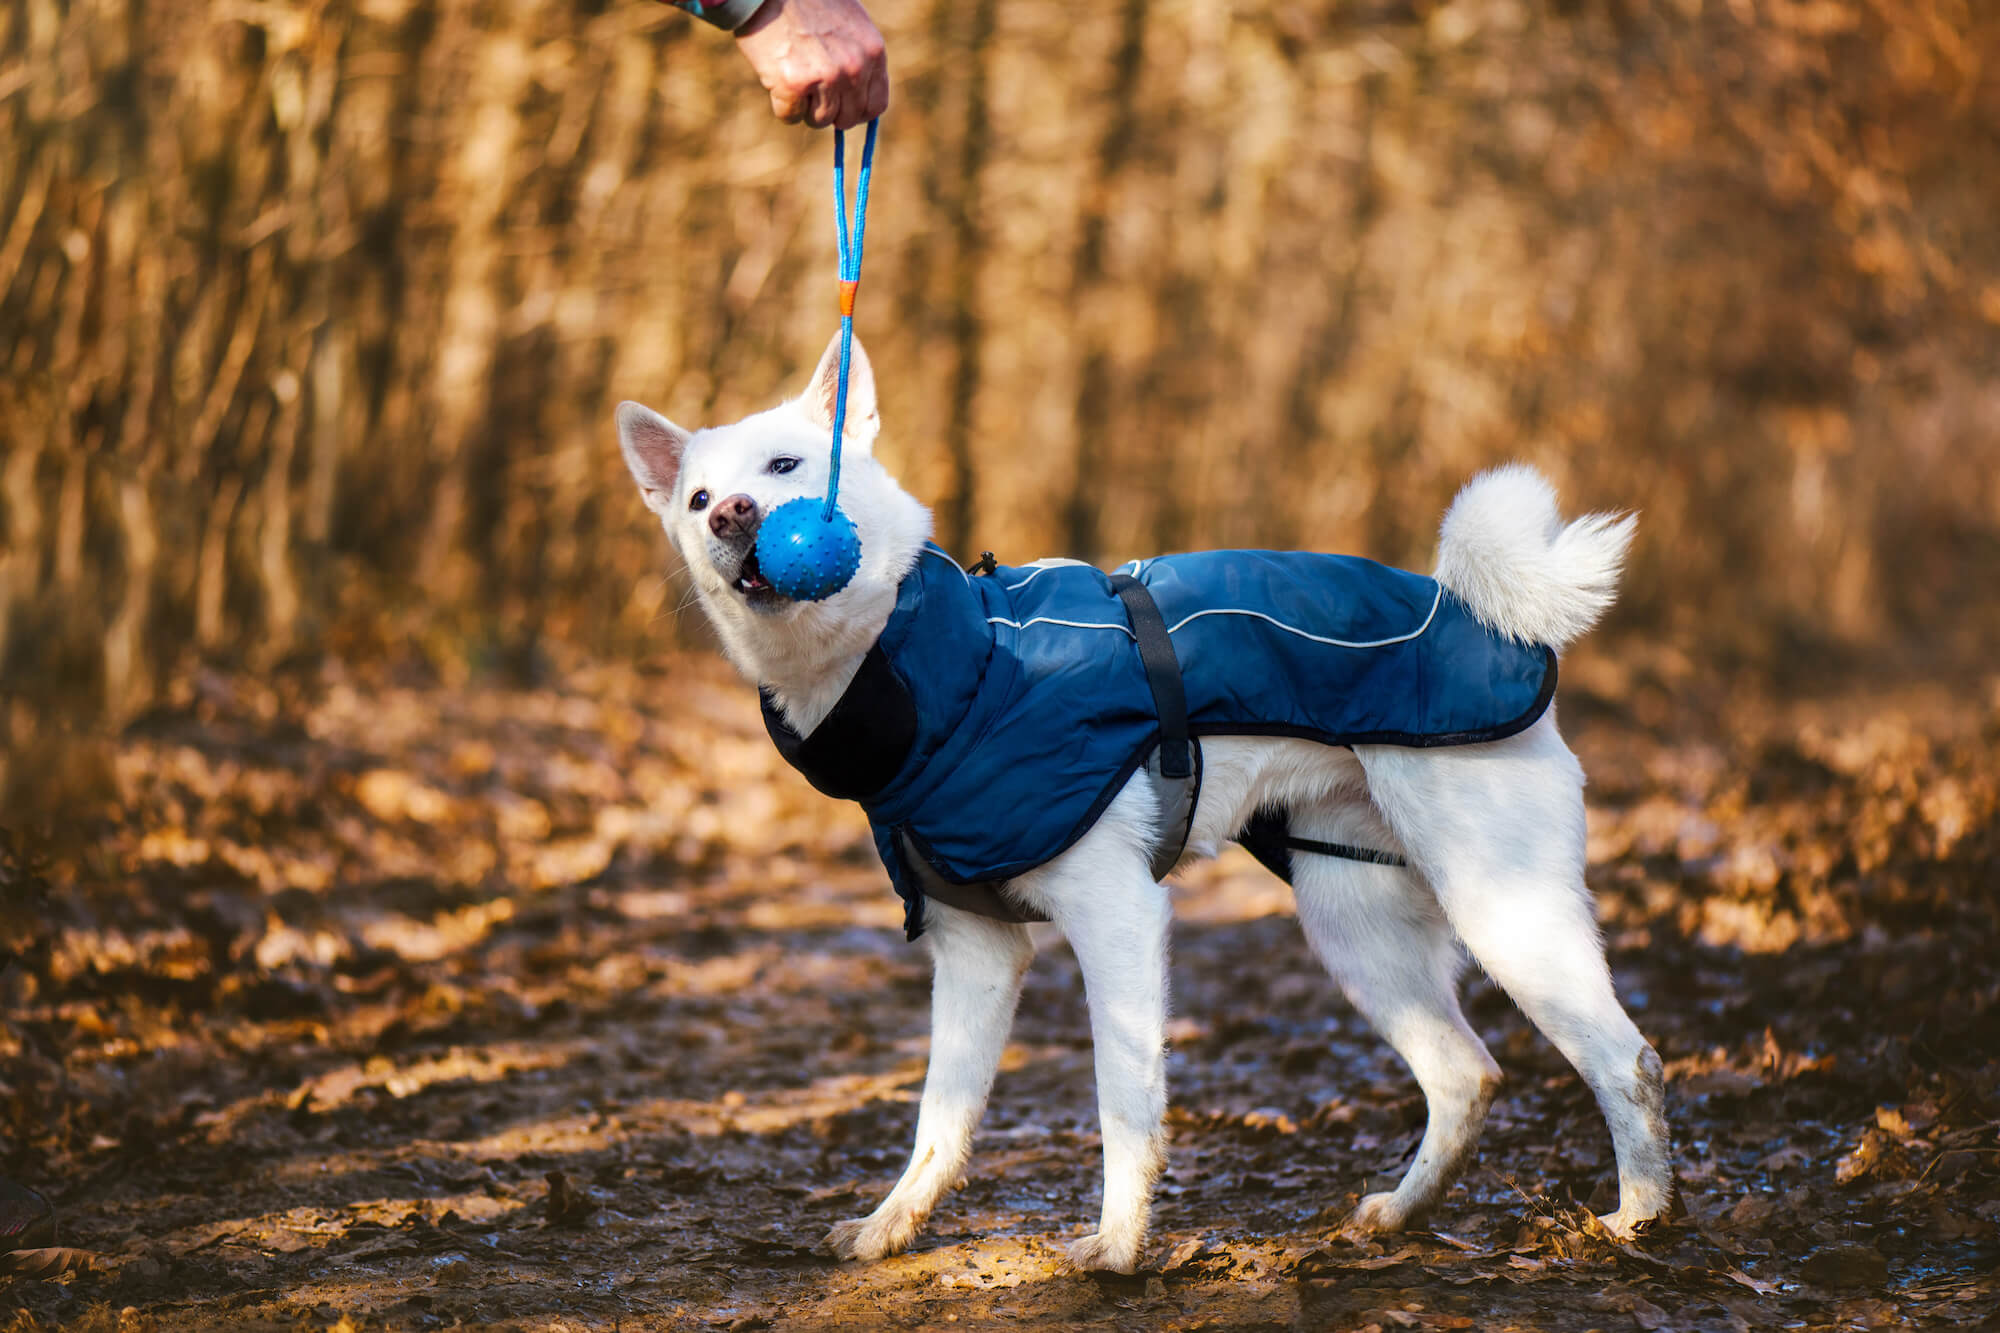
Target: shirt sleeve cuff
[(729, 15)]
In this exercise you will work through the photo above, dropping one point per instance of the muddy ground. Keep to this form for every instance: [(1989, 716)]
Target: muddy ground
[(372, 1003)]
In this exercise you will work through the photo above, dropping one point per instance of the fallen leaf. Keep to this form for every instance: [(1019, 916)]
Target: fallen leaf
[(1890, 1120), (51, 1261), (1183, 1254)]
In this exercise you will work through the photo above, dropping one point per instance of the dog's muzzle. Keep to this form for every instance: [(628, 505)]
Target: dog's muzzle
[(733, 524)]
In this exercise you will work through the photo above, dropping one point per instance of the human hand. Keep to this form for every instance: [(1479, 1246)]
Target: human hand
[(822, 61)]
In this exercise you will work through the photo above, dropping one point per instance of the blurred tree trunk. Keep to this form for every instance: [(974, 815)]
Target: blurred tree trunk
[(478, 181), (970, 60), (1093, 304)]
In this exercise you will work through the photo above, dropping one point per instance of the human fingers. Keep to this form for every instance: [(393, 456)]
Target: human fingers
[(853, 107), (847, 92), (823, 106), (788, 102), (875, 97), (860, 80), (864, 66)]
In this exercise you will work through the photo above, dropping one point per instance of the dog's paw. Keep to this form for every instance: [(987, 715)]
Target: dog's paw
[(1377, 1214), (869, 1237), (1624, 1225), (1100, 1253)]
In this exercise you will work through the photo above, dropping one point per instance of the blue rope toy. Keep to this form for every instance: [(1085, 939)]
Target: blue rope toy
[(806, 550)]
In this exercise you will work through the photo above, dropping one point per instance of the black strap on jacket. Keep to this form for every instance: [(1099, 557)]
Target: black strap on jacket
[(1268, 837), (1163, 674)]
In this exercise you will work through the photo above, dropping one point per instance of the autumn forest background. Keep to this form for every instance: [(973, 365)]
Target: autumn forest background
[(348, 713), (314, 313)]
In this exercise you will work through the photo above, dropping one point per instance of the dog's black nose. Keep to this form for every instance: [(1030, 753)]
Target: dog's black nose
[(734, 517)]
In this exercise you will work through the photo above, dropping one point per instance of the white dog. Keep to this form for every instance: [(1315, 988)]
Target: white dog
[(1486, 839)]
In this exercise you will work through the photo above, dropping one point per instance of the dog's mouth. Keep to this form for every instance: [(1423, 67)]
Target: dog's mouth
[(750, 579)]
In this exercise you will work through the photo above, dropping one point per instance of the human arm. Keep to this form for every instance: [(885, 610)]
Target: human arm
[(822, 61)]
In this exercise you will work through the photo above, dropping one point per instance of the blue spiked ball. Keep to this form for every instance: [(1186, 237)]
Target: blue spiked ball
[(805, 555)]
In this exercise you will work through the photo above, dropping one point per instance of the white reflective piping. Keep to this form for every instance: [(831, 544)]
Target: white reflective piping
[(1043, 566), (1337, 643), (1050, 620)]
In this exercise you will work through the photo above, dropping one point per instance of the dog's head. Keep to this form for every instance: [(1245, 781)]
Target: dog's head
[(712, 488)]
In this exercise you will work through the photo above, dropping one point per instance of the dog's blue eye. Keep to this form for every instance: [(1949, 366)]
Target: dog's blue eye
[(782, 465), (698, 501)]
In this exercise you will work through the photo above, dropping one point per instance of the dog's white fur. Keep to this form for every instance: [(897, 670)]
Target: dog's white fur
[(1493, 833), (1506, 553)]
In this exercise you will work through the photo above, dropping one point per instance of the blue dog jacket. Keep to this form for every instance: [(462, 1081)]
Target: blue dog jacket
[(998, 715)]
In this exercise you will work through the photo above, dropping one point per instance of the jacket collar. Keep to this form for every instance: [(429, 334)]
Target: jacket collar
[(907, 695)]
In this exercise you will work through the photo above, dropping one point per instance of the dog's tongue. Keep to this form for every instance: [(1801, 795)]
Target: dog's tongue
[(750, 578)]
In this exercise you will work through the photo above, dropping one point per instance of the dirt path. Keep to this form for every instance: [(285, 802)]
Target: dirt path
[(431, 1007)]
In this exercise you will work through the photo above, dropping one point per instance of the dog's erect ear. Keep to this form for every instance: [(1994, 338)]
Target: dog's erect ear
[(863, 421), (652, 446)]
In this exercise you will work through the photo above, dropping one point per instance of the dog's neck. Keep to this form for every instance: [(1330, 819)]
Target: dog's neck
[(807, 661)]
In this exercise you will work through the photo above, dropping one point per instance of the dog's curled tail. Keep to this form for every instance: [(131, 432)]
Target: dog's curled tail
[(1505, 552)]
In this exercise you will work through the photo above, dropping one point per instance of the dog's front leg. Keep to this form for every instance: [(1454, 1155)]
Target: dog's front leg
[(978, 966), (1117, 919)]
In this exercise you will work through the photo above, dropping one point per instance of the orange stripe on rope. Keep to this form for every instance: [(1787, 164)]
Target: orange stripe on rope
[(848, 286)]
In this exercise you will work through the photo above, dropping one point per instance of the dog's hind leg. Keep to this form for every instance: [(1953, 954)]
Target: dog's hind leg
[(1381, 935), (1498, 830), (978, 966)]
